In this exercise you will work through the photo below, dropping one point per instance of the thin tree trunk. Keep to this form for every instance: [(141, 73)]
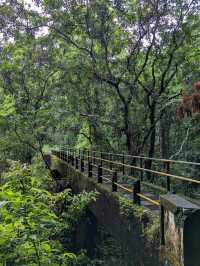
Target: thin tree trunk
[(152, 139), (164, 136), (129, 131)]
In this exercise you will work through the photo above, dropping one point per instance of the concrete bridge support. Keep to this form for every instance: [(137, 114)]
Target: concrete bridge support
[(180, 230)]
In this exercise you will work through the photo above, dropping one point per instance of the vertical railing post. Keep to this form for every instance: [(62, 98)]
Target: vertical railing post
[(62, 154), (167, 168), (74, 152), (88, 155), (99, 174), (77, 161), (148, 165), (133, 162), (82, 165), (89, 169), (123, 163), (83, 154), (72, 155), (110, 159), (162, 228), (79, 153), (114, 181), (136, 190), (101, 159), (67, 155), (141, 172)]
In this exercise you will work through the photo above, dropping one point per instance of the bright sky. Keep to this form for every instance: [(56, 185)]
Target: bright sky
[(32, 5)]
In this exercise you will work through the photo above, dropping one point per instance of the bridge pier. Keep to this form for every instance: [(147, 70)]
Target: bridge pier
[(180, 230)]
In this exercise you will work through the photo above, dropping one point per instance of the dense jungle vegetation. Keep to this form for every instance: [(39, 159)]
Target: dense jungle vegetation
[(112, 75)]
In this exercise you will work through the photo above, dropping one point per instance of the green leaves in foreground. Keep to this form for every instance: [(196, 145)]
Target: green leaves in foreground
[(29, 227)]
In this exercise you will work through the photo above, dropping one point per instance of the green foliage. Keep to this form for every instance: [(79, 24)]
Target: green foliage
[(83, 137), (7, 107), (127, 209), (150, 224), (29, 225), (88, 74), (27, 220), (96, 78)]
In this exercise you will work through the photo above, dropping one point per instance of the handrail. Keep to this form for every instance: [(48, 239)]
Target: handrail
[(94, 165), (108, 179), (77, 159), (147, 158), (106, 169), (149, 170), (124, 188), (155, 202)]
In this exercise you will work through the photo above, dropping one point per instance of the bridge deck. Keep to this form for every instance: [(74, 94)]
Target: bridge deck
[(119, 176), (107, 182)]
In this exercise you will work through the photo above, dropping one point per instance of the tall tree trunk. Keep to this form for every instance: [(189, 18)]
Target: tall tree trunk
[(164, 136), (130, 141), (129, 131), (152, 139)]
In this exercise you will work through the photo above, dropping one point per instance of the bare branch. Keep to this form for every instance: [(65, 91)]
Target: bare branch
[(182, 145)]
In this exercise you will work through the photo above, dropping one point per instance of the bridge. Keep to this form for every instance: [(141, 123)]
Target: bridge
[(128, 174), (153, 183)]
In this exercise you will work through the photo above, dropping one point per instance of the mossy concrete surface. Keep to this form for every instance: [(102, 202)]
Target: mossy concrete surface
[(182, 232), (136, 228)]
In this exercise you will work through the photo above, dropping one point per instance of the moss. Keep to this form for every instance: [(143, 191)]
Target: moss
[(169, 257), (150, 224), (128, 209), (55, 162), (151, 233)]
